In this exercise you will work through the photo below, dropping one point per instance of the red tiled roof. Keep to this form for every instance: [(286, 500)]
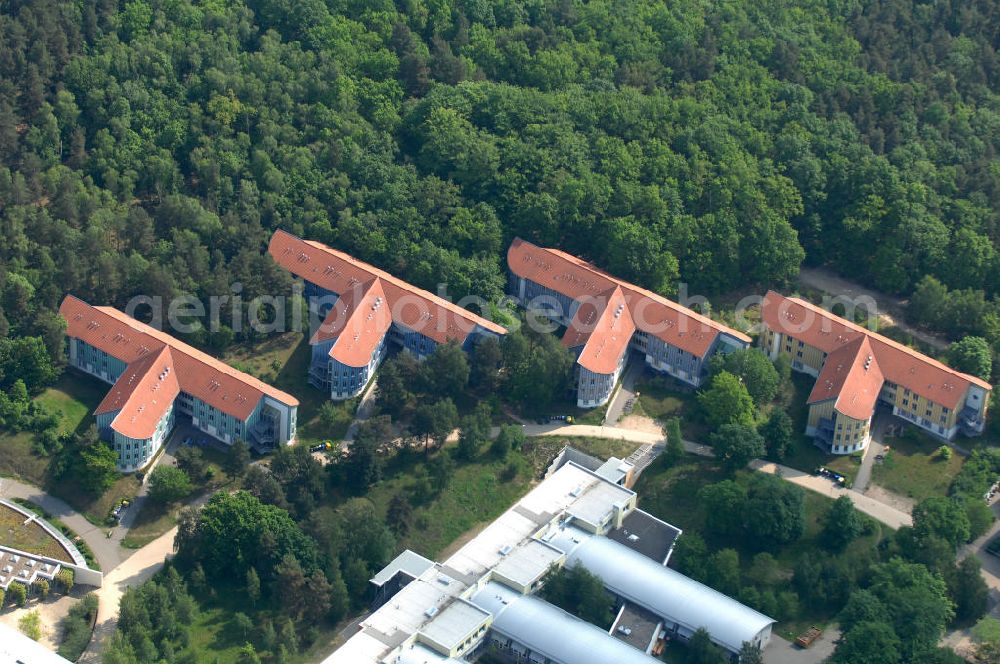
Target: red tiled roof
[(899, 364), (650, 313), (358, 321), (142, 394), (199, 374), (604, 327), (852, 376), (413, 307)]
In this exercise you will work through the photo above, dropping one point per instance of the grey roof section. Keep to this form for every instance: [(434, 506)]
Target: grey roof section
[(551, 632), (529, 562), (615, 470), (453, 624), (667, 593), (643, 532), (408, 562)]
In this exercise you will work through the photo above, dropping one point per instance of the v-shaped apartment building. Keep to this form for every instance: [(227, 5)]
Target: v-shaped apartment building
[(364, 309), (155, 377), (605, 317), (857, 369)]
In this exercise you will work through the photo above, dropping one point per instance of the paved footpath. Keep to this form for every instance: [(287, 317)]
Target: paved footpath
[(887, 514), (106, 551), (142, 565)]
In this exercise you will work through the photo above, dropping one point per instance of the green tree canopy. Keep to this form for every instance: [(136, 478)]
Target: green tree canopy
[(726, 401), (168, 484), (235, 531), (973, 356), (735, 445)]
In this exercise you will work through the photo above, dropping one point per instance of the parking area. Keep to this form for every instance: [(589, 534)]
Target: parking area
[(780, 651)]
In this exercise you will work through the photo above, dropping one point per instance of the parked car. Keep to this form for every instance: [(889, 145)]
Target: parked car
[(325, 446), (119, 511)]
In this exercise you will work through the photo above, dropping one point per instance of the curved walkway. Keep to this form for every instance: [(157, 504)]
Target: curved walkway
[(887, 514), (142, 565), (107, 552)]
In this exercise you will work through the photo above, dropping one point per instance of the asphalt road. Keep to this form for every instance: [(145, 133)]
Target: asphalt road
[(616, 409)]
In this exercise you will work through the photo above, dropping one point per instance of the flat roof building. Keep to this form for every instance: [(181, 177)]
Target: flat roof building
[(364, 309), (606, 316), (155, 376), (856, 369), (483, 596), (16, 648)]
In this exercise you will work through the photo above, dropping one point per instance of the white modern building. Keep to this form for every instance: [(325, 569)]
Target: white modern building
[(483, 597)]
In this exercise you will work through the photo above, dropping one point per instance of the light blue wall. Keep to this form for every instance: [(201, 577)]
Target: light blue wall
[(93, 361)]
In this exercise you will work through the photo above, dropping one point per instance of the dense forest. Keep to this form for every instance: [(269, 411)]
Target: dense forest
[(152, 146)]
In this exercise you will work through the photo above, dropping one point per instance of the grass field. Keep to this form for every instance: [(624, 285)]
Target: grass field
[(155, 519), (661, 398), (30, 538), (913, 467), (74, 398), (283, 361)]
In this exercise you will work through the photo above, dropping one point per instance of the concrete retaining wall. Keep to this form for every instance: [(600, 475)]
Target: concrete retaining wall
[(83, 575), (74, 553)]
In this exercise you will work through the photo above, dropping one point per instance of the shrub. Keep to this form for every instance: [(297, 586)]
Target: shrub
[(30, 625), (66, 579), (76, 628), (18, 593)]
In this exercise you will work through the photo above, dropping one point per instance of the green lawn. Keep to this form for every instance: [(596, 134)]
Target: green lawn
[(74, 397), (17, 458), (30, 538), (913, 467), (662, 397), (97, 509), (283, 361)]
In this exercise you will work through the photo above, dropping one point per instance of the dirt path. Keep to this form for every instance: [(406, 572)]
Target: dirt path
[(891, 310)]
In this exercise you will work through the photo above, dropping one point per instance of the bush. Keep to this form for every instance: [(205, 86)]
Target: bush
[(66, 579), (18, 593), (76, 628), (944, 452), (30, 625), (42, 588), (168, 484)]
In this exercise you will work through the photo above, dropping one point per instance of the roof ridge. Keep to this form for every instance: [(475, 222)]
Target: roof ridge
[(197, 355), (638, 290), (378, 272), (875, 336)]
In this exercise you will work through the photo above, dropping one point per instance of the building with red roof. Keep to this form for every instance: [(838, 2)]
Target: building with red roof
[(857, 369), (155, 378), (605, 317), (365, 309)]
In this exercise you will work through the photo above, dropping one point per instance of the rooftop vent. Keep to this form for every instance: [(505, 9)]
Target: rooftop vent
[(431, 612), (506, 549)]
